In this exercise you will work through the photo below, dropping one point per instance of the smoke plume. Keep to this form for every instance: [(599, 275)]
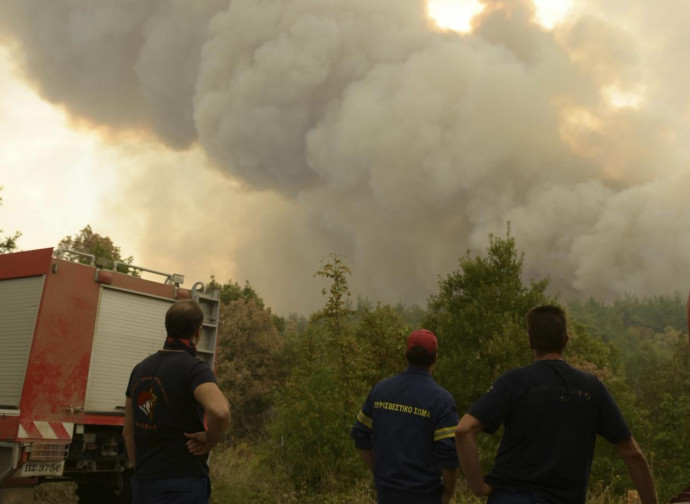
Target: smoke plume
[(297, 128)]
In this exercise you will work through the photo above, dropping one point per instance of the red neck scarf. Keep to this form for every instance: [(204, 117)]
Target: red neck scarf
[(180, 344)]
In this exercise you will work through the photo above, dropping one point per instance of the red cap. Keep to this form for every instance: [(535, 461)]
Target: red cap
[(423, 338)]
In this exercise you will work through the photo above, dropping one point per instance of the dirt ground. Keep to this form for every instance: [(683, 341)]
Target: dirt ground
[(47, 493)]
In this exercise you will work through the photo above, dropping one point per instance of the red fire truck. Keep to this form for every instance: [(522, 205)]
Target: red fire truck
[(70, 334)]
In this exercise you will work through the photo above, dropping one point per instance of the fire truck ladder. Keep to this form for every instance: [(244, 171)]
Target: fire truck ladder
[(209, 300)]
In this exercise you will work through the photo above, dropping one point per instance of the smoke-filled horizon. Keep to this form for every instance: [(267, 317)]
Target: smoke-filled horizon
[(295, 129)]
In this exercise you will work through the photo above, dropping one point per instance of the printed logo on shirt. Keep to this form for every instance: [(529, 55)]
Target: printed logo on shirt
[(149, 392), (146, 400)]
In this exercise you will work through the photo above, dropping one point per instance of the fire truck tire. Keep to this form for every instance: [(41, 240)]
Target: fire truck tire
[(105, 489)]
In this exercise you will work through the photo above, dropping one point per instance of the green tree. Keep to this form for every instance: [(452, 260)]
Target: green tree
[(336, 359), (336, 311), (649, 335), (656, 312), (610, 321), (478, 316), (337, 314), (658, 371), (232, 291), (381, 332), (311, 411), (8, 243), (101, 247), (601, 320), (248, 364)]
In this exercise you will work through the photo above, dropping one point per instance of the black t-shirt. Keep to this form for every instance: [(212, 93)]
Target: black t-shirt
[(552, 413), (162, 391)]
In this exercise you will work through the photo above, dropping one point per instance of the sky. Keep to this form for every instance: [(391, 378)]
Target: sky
[(249, 140)]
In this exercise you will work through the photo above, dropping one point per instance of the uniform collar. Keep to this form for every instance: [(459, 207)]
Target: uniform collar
[(417, 370)]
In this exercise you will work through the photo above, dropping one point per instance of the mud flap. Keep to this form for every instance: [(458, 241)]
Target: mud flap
[(9, 457)]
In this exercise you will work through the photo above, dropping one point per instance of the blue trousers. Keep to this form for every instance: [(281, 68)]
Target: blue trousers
[(192, 490), (499, 496)]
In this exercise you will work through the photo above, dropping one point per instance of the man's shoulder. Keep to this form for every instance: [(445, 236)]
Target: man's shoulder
[(586, 377), (516, 373), (393, 381), (560, 369), (444, 393), (143, 363), (423, 379), (390, 380), (411, 383), (516, 377), (182, 361)]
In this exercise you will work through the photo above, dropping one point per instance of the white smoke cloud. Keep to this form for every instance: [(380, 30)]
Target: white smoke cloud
[(353, 127)]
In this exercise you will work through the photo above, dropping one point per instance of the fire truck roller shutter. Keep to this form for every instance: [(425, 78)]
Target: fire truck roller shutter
[(129, 327), (19, 302)]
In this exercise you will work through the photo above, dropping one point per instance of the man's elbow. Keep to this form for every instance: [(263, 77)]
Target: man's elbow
[(468, 426), (462, 431), (466, 430), (631, 453), (629, 449), (220, 412)]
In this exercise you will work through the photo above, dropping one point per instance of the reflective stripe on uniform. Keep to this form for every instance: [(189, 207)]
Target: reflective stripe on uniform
[(445, 433), (365, 420)]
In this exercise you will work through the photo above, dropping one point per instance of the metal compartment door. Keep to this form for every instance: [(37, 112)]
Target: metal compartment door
[(19, 302), (129, 327)]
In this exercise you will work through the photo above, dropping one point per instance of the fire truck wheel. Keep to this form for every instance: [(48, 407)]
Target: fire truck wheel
[(114, 488)]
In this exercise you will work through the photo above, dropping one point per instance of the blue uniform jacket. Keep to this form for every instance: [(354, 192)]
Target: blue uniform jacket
[(409, 421)]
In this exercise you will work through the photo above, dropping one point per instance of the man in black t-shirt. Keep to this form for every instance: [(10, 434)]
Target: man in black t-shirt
[(552, 414), (168, 395)]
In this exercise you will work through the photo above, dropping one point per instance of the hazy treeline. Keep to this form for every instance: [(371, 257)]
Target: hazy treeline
[(296, 384)]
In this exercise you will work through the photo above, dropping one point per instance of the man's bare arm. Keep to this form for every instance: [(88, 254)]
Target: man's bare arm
[(128, 432), (466, 443), (639, 470), (217, 411), (367, 456), (450, 479)]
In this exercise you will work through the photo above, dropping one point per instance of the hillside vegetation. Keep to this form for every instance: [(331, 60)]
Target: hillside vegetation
[(296, 384)]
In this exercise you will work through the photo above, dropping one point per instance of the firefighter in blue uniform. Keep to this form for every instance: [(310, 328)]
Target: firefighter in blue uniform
[(405, 431)]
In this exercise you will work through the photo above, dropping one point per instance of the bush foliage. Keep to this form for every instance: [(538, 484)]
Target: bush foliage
[(297, 385)]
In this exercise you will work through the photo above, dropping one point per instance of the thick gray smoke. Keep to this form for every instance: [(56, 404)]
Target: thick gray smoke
[(354, 127)]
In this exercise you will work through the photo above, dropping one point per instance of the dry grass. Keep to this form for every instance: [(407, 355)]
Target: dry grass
[(56, 493), (238, 476)]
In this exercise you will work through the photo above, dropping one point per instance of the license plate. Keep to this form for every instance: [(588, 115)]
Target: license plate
[(42, 468)]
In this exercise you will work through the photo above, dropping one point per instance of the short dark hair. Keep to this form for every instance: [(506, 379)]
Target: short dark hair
[(183, 319), (548, 329), (420, 356)]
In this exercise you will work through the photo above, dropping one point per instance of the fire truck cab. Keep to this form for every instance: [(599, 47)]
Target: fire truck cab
[(70, 334)]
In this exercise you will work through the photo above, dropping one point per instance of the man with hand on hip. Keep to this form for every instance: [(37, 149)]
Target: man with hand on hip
[(168, 395)]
